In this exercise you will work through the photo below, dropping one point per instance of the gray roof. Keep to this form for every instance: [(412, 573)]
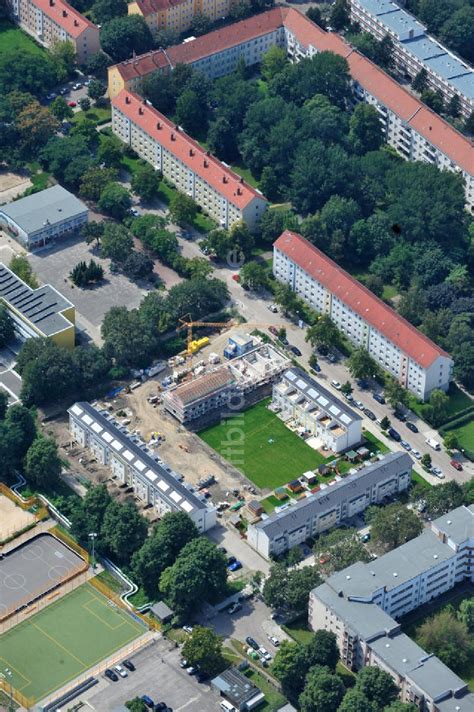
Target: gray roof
[(458, 525), (330, 497), (379, 7), (424, 47), (235, 686), (320, 396), (41, 307), (401, 22), (457, 704), (105, 429), (435, 678), (447, 66), (52, 205), (161, 610), (464, 84)]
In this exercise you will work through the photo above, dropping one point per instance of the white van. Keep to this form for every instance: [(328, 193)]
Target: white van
[(227, 707), (433, 443)]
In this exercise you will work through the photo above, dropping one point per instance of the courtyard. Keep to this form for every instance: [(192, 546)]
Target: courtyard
[(256, 442)]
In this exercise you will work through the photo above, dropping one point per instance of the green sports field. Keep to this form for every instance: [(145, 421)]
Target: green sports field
[(262, 447), (64, 640)]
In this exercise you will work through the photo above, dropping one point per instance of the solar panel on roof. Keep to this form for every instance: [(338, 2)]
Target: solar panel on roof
[(323, 401), (107, 437), (312, 393), (300, 384), (87, 419), (345, 418)]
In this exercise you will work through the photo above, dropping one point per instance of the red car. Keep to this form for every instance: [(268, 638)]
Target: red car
[(72, 104), (457, 465), (273, 330), (236, 277)]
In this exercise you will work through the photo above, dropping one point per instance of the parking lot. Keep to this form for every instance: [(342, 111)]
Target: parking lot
[(159, 676), (53, 264)]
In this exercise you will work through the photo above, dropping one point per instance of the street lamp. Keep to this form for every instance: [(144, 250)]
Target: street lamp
[(93, 536)]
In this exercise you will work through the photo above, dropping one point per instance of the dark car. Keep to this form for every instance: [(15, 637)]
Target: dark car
[(253, 643), (394, 435), (202, 676), (283, 340), (317, 368), (110, 674), (129, 665), (160, 706), (231, 560), (323, 349), (148, 701), (400, 416), (379, 398), (412, 427), (369, 414), (295, 350), (362, 383)]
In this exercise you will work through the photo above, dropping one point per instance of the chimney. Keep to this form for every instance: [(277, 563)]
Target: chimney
[(51, 3), (140, 110), (173, 137), (239, 191), (128, 100), (225, 179), (158, 125), (206, 163), (241, 180), (191, 152), (64, 13), (76, 23)]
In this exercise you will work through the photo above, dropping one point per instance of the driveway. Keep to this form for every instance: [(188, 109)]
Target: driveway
[(239, 548)]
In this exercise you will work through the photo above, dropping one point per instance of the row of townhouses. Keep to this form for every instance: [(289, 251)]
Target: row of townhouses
[(133, 464), (361, 605), (177, 15), (414, 50), (312, 409), (415, 131), (330, 505), (411, 357), (50, 21), (220, 192)]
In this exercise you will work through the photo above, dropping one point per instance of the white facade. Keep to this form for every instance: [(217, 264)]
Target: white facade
[(298, 521), (414, 50), (418, 378), (131, 462)]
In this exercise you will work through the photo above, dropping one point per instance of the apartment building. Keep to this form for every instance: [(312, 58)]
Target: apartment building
[(415, 131), (177, 15), (414, 50), (41, 218), (362, 605), (301, 519), (50, 21), (237, 384), (219, 191), (43, 312), (408, 355), (133, 464), (303, 402)]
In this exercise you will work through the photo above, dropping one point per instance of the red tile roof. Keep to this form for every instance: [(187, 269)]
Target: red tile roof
[(431, 126), (65, 16), (360, 299), (177, 142), (149, 7)]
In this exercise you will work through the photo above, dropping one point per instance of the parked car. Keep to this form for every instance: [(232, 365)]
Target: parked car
[(349, 398), (202, 676), (230, 560), (359, 404), (111, 675), (394, 435), (253, 643), (336, 385), (273, 330), (362, 383), (160, 707), (63, 90), (273, 308), (191, 670), (121, 671), (76, 86), (188, 628), (72, 104), (416, 454), (235, 566), (283, 340), (295, 350), (406, 445), (274, 641), (369, 414), (412, 427), (317, 368), (236, 277), (457, 465), (379, 398), (399, 416), (263, 652), (148, 701), (183, 664), (129, 665), (437, 472)]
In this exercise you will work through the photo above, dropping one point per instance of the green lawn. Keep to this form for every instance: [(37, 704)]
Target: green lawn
[(262, 447), (299, 630), (374, 444), (273, 699), (98, 115), (64, 640), (246, 175), (458, 401), (12, 38), (465, 435)]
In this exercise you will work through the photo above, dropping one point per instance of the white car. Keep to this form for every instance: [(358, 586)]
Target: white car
[(274, 641), (336, 385), (416, 454), (437, 473), (273, 308), (406, 445), (188, 628), (263, 652), (120, 670), (359, 404)]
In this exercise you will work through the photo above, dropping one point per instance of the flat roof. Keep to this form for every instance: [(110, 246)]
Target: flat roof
[(377, 7), (424, 47), (401, 22), (458, 525), (49, 206), (323, 501), (464, 84), (40, 307), (361, 300), (106, 430), (235, 686), (457, 704), (447, 66)]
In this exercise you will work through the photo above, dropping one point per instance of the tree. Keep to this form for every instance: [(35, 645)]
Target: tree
[(21, 267), (377, 686), (84, 103), (203, 649), (93, 182), (189, 112), (117, 243), (123, 530), (323, 691), (34, 75), (439, 403), (273, 222), (290, 668), (145, 182), (83, 274), (127, 340), (136, 705), (385, 423), (356, 701), (20, 432), (450, 441), (458, 32), (346, 388), (138, 265), (197, 297), (394, 525), (322, 650), (97, 63), (3, 404), (200, 25), (47, 371), (339, 214), (361, 364), (161, 549), (398, 706), (285, 297), (323, 333), (454, 107), (443, 498), (7, 328), (365, 132), (290, 589), (426, 460), (160, 89), (339, 17), (35, 126), (314, 14), (420, 82), (254, 275), (60, 109), (183, 209), (433, 99), (124, 35), (110, 151), (88, 515), (395, 394), (447, 637), (115, 200), (241, 239), (343, 547), (469, 124), (273, 62), (199, 574), (42, 464), (105, 10), (466, 613), (63, 54)]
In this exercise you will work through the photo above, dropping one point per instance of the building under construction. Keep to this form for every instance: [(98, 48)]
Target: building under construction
[(236, 385)]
